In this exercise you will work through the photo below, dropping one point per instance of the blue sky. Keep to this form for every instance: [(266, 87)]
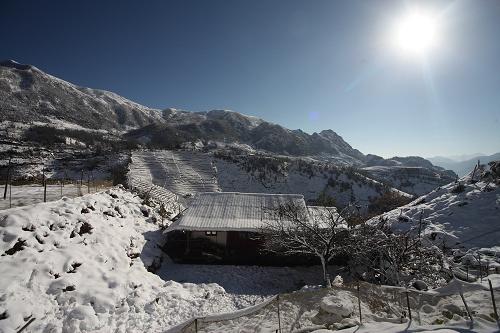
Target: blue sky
[(303, 64)]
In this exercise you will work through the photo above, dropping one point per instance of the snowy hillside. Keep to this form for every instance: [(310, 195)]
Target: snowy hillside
[(261, 174), (465, 213), (412, 174), (414, 180), (185, 172)]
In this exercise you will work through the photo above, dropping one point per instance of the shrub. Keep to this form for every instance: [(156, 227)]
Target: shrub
[(459, 188)]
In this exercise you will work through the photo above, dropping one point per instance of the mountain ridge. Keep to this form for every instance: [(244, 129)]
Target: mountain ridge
[(464, 166), (31, 96)]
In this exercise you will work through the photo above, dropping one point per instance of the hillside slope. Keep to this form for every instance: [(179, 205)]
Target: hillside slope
[(463, 214)]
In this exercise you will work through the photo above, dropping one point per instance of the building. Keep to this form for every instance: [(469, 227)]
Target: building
[(225, 226)]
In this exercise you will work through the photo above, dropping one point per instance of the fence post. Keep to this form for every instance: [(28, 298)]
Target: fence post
[(26, 325), (6, 181), (480, 268), (359, 305), (467, 308), (44, 188), (196, 325), (408, 304), (493, 301), (279, 315)]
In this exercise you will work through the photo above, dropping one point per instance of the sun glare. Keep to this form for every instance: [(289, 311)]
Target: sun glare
[(416, 33)]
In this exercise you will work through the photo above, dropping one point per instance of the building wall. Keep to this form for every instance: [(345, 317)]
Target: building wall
[(220, 238)]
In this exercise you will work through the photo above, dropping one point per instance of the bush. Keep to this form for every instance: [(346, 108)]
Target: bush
[(459, 188), (386, 202)]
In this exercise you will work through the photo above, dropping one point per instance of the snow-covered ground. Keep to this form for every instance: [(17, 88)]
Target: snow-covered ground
[(81, 265)]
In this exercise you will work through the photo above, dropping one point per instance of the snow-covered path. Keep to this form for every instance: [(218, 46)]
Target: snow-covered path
[(244, 280)]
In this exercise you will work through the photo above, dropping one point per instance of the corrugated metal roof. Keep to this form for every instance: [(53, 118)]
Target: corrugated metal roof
[(231, 211), (322, 215)]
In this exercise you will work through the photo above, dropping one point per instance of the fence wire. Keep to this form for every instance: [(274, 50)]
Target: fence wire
[(302, 311)]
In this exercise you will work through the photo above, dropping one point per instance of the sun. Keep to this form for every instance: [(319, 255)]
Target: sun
[(416, 33)]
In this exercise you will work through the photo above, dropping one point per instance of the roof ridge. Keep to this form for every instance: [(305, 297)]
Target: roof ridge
[(297, 195)]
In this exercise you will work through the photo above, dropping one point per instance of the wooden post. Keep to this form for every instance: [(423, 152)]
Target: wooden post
[(480, 268), (26, 325), (196, 325), (44, 188), (408, 304), (10, 196), (493, 301), (279, 315), (7, 181), (359, 305), (467, 308)]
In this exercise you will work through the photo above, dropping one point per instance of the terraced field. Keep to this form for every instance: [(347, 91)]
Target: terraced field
[(181, 172)]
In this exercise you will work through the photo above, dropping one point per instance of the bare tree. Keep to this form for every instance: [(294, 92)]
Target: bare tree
[(294, 229), (379, 255)]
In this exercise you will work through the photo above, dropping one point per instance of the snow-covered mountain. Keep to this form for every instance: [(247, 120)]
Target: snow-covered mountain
[(30, 97), (27, 94), (230, 126)]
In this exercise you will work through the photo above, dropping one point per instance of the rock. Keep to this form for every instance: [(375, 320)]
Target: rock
[(426, 308), (453, 308), (420, 285), (339, 304), (338, 281)]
